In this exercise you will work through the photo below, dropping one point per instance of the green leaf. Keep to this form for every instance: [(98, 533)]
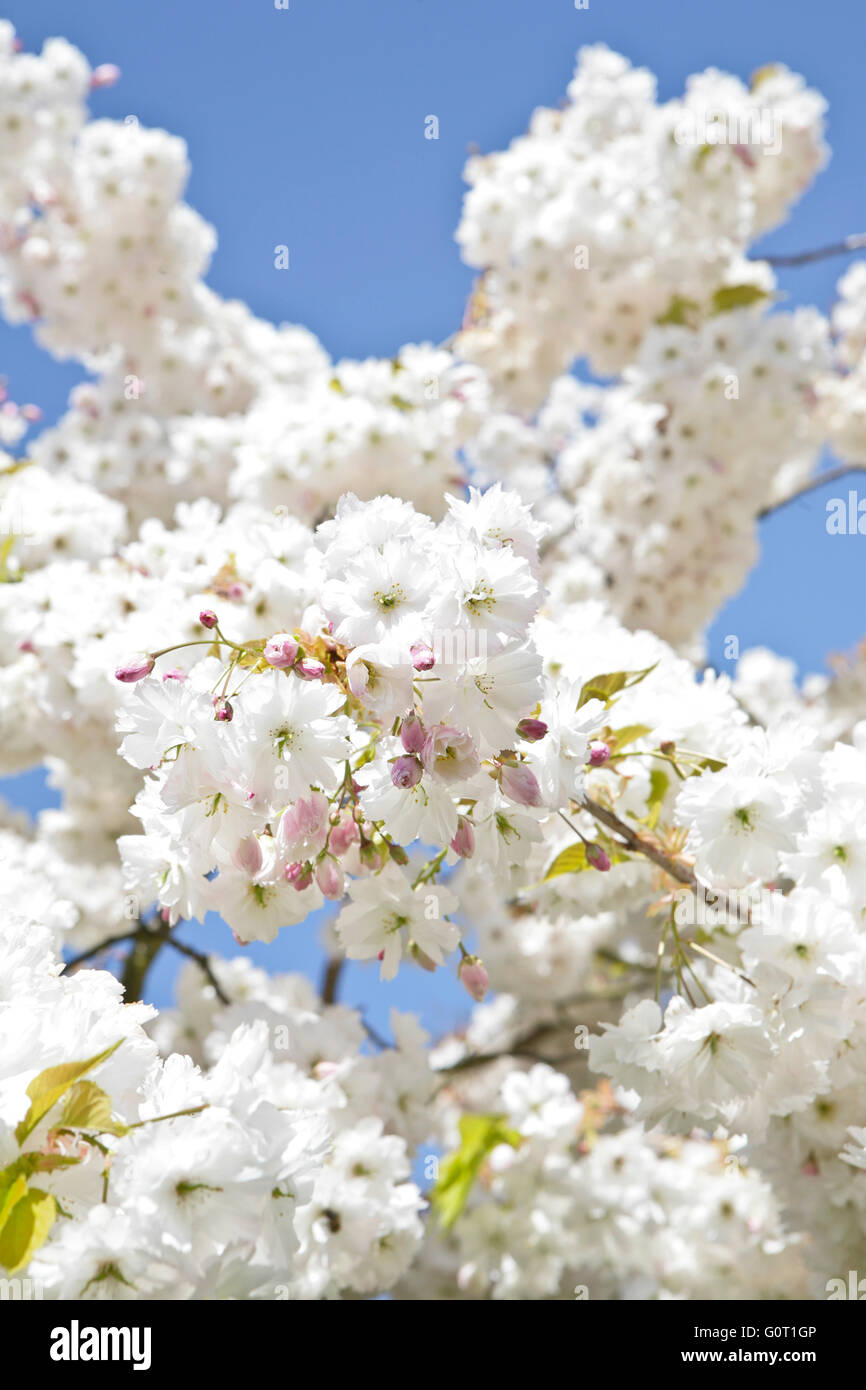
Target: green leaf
[(573, 860), (569, 861), (479, 1135), (27, 1228), (730, 297), (89, 1107), (659, 783), (628, 734), (605, 686), (712, 764), (680, 311), (47, 1088), (10, 1194)]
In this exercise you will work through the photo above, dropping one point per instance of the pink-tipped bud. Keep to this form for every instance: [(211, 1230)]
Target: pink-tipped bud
[(248, 856), (175, 674), (135, 670), (423, 658), (222, 710), (596, 856), (281, 651), (533, 730), (464, 841), (412, 733), (520, 784), (300, 876), (343, 835), (406, 772), (208, 618), (310, 670), (104, 76), (330, 878), (473, 977), (598, 754)]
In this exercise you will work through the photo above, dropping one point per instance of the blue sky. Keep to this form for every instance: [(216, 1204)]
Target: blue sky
[(306, 128)]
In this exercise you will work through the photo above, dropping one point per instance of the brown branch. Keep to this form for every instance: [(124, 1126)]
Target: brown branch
[(832, 475), (855, 242), (651, 849), (203, 963), (98, 949), (331, 979), (641, 844)]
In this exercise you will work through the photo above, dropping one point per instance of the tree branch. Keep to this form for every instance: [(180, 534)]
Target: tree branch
[(855, 242), (331, 979), (203, 963), (832, 475)]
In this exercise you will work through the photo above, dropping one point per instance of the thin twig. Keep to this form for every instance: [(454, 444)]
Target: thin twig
[(203, 963), (832, 475), (99, 948), (855, 242)]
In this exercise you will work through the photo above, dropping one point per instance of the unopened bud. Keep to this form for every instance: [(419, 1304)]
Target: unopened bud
[(533, 730), (596, 856), (464, 841), (398, 854), (300, 876), (598, 754), (309, 669), (412, 733), (423, 658), (135, 670), (222, 710), (281, 651), (330, 878), (406, 771), (520, 784), (473, 977), (208, 618)]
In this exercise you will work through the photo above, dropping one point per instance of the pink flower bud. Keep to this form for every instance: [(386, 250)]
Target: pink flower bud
[(598, 754), (412, 733), (330, 878), (473, 977), (596, 856), (104, 76), (223, 711), (520, 784), (406, 771), (248, 856), (208, 618), (532, 729), (464, 841), (423, 658), (31, 413), (310, 670), (281, 651), (300, 876), (343, 835), (135, 670)]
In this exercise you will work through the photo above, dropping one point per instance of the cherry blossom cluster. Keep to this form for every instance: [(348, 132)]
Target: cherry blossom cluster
[(419, 641)]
